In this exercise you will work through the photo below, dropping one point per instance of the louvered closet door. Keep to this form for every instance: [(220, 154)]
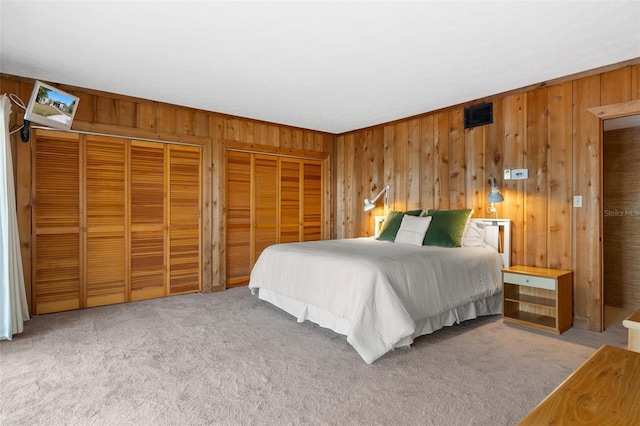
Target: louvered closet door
[(265, 180), (238, 208), (312, 203), (184, 219), (56, 222), (106, 221), (147, 220), (290, 200)]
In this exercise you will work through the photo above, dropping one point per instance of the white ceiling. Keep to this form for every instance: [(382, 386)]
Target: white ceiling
[(323, 65)]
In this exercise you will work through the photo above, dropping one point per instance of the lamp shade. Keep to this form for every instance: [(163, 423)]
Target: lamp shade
[(495, 197), (368, 205)]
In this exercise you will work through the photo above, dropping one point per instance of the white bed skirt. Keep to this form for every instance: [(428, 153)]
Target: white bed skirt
[(306, 311)]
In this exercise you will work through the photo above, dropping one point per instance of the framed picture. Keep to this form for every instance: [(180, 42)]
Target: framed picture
[(51, 107)]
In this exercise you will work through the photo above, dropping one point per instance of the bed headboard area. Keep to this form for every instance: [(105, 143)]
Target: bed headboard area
[(498, 235)]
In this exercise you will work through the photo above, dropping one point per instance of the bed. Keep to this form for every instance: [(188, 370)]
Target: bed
[(383, 294)]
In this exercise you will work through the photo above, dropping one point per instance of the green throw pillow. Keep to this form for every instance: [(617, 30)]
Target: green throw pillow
[(446, 228), (392, 224)]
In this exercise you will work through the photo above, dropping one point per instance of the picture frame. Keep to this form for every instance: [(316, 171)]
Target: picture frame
[(51, 107)]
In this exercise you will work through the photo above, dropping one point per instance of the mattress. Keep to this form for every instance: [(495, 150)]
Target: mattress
[(379, 294)]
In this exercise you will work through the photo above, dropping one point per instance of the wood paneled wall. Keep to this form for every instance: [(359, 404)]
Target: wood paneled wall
[(117, 115), (432, 161)]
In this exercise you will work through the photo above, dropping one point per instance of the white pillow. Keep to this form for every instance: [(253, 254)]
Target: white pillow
[(474, 234), (412, 230)]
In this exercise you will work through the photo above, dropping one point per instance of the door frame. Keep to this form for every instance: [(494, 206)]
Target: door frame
[(604, 112)]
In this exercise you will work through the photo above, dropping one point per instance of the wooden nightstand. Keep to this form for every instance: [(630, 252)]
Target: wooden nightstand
[(539, 298)]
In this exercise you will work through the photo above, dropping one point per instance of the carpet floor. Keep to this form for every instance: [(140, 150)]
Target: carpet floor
[(230, 359)]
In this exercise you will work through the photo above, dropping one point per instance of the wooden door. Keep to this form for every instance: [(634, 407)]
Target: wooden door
[(312, 201), (270, 199), (57, 262), (265, 196), (238, 209), (147, 220), (290, 206), (105, 221), (184, 219)]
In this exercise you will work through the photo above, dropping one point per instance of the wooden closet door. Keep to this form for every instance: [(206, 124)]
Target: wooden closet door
[(265, 178), (105, 225), (238, 209), (312, 201), (290, 200), (56, 266), (147, 220), (184, 219)]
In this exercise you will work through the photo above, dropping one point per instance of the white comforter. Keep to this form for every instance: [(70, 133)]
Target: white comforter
[(381, 288)]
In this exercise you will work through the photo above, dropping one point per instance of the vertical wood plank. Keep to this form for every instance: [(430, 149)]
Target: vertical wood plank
[(427, 166), (475, 189), (166, 118), (359, 156), (273, 135), (389, 159), (127, 113), (368, 165), (246, 131), (616, 86), (106, 110), (586, 220), (218, 179), (350, 185), (413, 164), (340, 200), (329, 145), (494, 161), (400, 173), (635, 82), (457, 166), (308, 140), (285, 137), (232, 129), (201, 124), (147, 116), (296, 139), (535, 246), (560, 159), (441, 149), (86, 107), (260, 133), (184, 121), (514, 151)]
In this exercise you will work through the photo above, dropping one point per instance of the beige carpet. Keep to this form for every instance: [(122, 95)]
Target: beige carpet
[(229, 358)]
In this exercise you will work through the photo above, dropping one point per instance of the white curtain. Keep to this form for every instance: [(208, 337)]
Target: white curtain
[(13, 300)]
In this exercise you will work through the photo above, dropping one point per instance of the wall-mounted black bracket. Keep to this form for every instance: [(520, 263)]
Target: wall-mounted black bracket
[(24, 133)]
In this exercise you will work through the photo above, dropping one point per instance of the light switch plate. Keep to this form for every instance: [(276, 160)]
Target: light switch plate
[(518, 174), (577, 201), (507, 174)]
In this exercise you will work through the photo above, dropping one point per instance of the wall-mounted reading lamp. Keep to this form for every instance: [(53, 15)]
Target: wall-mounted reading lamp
[(370, 204), (494, 196)]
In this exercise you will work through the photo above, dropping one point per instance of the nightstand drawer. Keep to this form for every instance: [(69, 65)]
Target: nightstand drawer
[(530, 281)]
